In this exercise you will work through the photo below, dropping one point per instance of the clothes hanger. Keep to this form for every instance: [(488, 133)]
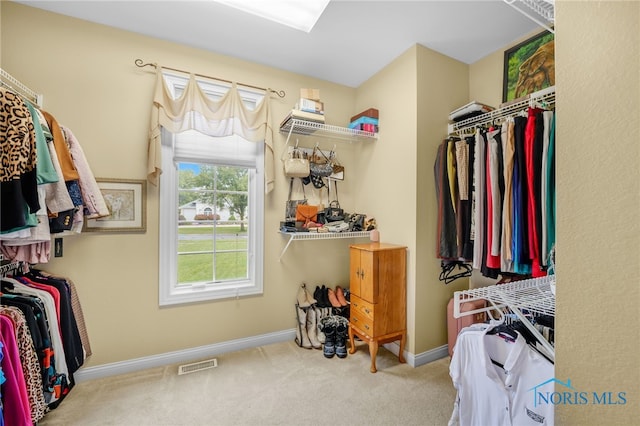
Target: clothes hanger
[(447, 275)]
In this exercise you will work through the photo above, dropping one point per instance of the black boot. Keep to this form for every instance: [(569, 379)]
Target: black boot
[(328, 327), (341, 336)]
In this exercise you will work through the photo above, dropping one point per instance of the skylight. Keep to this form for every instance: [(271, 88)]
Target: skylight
[(299, 14)]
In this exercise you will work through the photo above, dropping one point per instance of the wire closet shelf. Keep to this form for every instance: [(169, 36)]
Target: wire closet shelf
[(311, 128), (542, 12), (532, 296), (297, 236), (545, 98), (13, 84)]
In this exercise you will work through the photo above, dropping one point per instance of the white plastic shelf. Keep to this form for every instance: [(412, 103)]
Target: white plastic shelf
[(308, 128), (298, 236)]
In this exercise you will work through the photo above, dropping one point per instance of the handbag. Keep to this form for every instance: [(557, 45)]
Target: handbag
[(338, 169), (296, 165), (356, 222), (334, 213), (320, 166), (306, 213), (290, 210)]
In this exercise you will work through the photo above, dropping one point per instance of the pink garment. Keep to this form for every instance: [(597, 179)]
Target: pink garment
[(16, 408), (31, 253), (92, 198), (491, 260)]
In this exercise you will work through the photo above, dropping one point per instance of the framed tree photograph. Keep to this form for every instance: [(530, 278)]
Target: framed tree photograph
[(127, 204), (529, 66)]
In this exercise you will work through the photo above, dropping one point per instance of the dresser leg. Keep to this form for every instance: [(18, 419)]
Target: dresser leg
[(352, 348), (403, 338), (373, 351)]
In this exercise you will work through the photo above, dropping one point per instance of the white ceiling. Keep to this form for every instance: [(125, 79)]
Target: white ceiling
[(352, 40)]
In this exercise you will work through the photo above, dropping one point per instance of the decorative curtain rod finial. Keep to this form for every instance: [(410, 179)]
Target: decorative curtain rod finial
[(140, 64)]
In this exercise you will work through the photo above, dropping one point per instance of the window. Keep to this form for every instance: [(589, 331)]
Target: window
[(211, 211)]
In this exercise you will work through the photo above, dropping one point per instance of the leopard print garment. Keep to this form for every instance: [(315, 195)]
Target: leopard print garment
[(17, 137), (29, 360)]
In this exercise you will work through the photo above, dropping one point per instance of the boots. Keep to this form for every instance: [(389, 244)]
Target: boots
[(333, 299), (341, 336), (302, 338), (320, 313), (328, 326), (304, 298), (312, 328)]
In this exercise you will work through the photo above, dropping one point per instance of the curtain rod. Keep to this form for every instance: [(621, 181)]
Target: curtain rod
[(139, 63)]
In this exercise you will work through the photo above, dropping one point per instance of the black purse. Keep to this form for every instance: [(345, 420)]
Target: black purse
[(334, 213)]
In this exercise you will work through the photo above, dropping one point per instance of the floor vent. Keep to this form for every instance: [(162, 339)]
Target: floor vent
[(197, 366)]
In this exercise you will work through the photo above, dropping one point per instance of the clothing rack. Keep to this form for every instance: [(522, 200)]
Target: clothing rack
[(536, 295), (140, 64), (13, 84), (544, 98)]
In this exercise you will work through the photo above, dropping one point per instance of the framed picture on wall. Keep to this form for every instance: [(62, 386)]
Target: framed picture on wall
[(127, 203), (529, 67)]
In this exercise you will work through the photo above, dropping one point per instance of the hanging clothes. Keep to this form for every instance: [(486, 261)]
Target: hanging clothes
[(495, 193), (494, 377)]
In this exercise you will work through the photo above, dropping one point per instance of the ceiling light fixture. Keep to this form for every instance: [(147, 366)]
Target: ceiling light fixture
[(299, 14)]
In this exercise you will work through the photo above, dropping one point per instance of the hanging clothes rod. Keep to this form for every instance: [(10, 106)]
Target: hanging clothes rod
[(545, 98), (140, 63), (13, 84)]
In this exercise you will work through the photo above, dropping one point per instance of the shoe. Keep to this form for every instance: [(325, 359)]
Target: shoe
[(340, 296), (312, 329), (317, 294), (301, 297), (320, 313), (333, 300), (328, 326), (302, 338), (312, 300), (342, 327)]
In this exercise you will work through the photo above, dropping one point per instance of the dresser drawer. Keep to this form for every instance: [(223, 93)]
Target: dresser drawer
[(362, 323), (365, 308)]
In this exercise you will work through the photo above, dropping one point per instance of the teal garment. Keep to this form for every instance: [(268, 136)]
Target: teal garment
[(551, 194), (45, 172)]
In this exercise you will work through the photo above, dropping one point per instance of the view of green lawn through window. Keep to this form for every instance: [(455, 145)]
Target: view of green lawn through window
[(212, 224), (203, 246)]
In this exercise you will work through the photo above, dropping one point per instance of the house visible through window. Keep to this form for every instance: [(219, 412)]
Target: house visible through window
[(211, 212)]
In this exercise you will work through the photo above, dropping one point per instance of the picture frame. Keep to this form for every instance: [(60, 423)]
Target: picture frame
[(529, 67), (126, 200)]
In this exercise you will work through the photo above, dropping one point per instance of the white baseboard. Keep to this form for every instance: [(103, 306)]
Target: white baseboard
[(137, 364), (420, 359), (187, 355)]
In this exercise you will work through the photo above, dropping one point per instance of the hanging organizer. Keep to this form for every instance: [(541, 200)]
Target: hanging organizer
[(545, 97), (536, 296)]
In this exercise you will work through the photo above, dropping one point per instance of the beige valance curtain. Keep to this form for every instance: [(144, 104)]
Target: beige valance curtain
[(193, 110)]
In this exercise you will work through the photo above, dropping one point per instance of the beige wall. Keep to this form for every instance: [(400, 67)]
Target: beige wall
[(442, 86), (598, 196), (90, 84)]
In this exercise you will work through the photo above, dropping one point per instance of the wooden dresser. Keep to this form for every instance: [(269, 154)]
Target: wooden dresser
[(378, 286)]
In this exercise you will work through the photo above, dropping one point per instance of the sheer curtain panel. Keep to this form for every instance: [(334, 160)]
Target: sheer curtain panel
[(193, 109)]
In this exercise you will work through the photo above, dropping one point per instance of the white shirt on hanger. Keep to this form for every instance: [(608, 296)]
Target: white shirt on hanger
[(488, 394)]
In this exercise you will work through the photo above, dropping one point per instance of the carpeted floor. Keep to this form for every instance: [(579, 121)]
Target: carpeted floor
[(279, 384)]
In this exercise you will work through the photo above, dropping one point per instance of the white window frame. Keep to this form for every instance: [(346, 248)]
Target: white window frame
[(170, 293)]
